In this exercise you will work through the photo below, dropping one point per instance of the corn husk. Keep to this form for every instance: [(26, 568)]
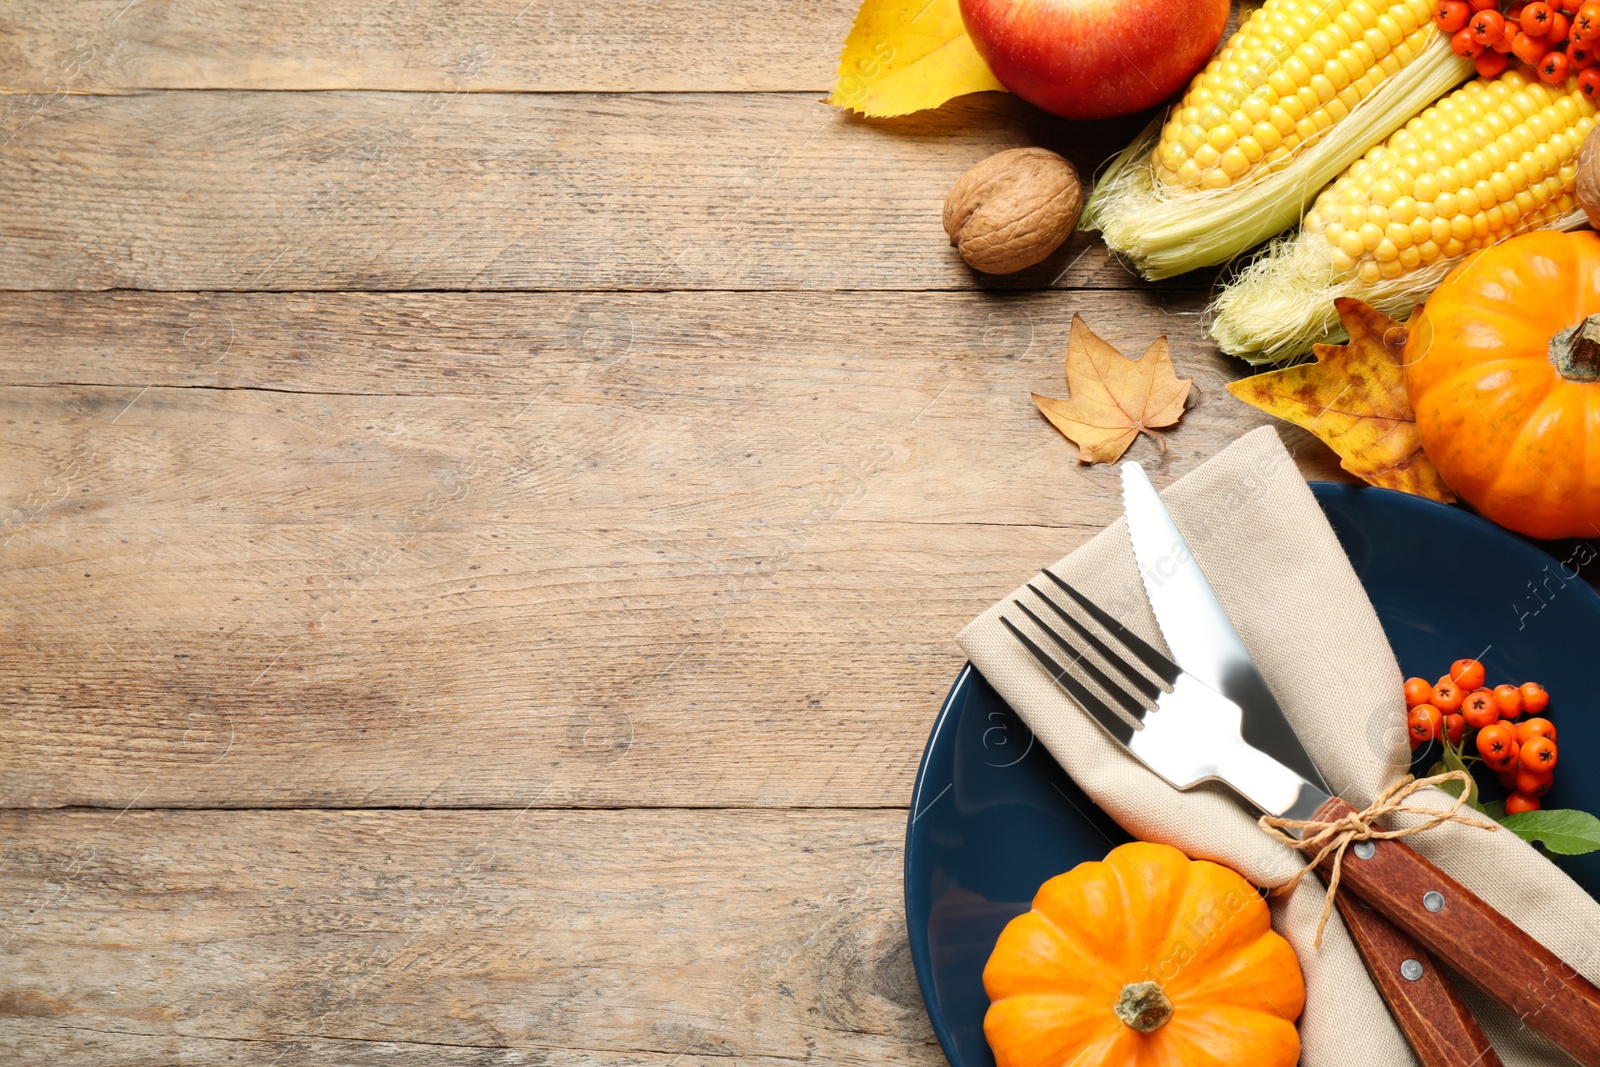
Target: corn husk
[(1283, 302)]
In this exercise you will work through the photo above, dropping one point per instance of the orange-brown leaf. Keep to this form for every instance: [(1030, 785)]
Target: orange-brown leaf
[(1354, 398), (1113, 398)]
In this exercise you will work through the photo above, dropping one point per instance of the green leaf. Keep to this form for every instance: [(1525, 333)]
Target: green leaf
[(1563, 831), (1496, 810)]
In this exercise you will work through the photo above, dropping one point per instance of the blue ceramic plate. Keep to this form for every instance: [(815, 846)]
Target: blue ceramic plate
[(993, 816)]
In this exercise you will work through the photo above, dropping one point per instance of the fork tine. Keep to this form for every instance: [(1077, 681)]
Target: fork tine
[(1164, 668), (1110, 721), (1122, 696), (1137, 680)]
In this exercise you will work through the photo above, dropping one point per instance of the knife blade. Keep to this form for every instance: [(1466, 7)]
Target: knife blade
[(1199, 634)]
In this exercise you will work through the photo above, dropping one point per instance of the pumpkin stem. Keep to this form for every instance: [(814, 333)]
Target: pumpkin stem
[(1575, 351), (1143, 1006)]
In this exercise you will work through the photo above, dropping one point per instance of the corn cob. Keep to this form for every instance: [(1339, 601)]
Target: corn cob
[(1282, 81), (1303, 88), (1495, 158)]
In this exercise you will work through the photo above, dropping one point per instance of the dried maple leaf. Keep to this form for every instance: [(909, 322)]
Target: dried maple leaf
[(1114, 398), (1354, 398), (907, 55)]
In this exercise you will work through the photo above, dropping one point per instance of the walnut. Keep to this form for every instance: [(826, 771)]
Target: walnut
[(1013, 209)]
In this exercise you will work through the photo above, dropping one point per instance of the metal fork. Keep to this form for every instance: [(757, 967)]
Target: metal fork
[(1181, 729), (1163, 668)]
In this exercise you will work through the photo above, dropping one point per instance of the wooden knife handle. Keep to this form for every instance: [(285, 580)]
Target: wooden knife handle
[(1479, 943), (1427, 1005)]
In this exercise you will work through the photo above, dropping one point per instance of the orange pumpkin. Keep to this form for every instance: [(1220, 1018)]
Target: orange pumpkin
[(1146, 958), (1506, 385)]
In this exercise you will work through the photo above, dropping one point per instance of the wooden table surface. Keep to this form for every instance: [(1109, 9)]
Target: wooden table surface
[(488, 493)]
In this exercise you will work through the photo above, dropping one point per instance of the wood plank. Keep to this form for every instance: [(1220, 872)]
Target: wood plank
[(430, 46), (593, 938), (491, 346), (568, 191), (101, 46), (612, 549)]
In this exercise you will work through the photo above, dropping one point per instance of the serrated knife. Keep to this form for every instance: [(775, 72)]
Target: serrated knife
[(1203, 641), (1198, 632)]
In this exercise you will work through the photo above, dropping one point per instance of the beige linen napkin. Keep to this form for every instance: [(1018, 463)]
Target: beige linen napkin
[(1285, 581)]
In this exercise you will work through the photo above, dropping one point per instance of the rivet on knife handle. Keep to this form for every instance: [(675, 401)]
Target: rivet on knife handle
[(1424, 1002), (1479, 943)]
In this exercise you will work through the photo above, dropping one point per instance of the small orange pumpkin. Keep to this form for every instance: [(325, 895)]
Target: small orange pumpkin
[(1503, 370), (1146, 958)]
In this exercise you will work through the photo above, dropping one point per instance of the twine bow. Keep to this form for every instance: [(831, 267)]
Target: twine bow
[(1334, 837)]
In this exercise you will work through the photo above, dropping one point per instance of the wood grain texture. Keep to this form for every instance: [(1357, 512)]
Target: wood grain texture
[(1476, 942), (680, 521), (569, 191), (590, 938), (1431, 1011), (605, 549), (101, 46)]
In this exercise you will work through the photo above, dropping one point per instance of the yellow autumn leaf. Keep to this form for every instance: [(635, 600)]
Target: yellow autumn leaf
[(907, 55), (1113, 398), (1354, 398)]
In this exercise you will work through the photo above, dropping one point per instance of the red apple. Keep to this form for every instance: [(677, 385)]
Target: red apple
[(1090, 59)]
